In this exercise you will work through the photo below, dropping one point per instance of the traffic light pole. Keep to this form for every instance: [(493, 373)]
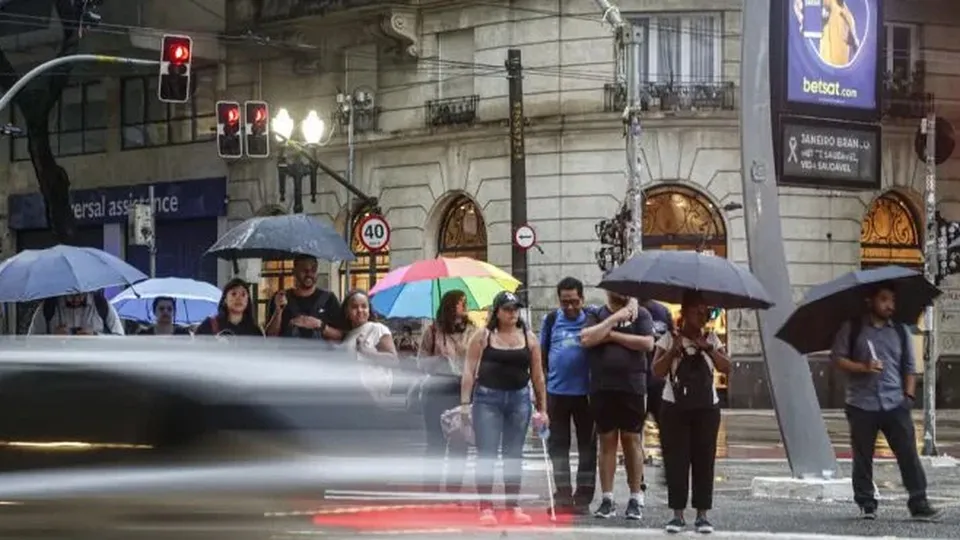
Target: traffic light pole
[(71, 59)]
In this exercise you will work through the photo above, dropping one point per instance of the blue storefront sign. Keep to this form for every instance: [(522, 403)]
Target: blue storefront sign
[(182, 200), (832, 53)]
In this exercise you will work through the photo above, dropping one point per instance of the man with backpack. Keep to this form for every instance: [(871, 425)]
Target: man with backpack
[(876, 355), (568, 388), (305, 311), (76, 314)]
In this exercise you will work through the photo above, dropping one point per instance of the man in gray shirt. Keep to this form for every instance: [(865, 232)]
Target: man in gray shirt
[(76, 314), (876, 355)]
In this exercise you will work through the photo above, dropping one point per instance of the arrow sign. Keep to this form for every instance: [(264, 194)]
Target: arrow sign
[(525, 237)]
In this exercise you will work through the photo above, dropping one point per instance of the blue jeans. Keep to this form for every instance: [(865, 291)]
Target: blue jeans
[(500, 422)]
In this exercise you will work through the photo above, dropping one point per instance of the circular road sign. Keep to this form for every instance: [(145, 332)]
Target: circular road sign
[(374, 232), (525, 237)]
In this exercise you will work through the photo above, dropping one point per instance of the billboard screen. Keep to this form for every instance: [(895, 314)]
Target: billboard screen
[(832, 53)]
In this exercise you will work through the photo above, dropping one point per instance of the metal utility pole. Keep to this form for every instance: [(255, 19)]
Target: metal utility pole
[(629, 45), (518, 168), (930, 268), (346, 100)]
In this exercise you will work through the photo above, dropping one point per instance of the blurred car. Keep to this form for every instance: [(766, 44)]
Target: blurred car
[(102, 434)]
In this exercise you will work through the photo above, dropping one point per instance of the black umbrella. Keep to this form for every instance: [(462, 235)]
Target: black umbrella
[(282, 237), (827, 306), (668, 275)]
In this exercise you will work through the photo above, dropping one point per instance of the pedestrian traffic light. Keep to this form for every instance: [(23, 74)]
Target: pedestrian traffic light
[(175, 54), (229, 144), (257, 129)]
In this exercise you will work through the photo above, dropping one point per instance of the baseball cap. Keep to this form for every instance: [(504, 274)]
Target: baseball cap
[(506, 298)]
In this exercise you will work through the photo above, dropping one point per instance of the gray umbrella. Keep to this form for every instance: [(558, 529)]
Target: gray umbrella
[(281, 237), (668, 275)]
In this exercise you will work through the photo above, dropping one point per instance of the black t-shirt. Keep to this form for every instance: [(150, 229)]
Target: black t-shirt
[(224, 327), (322, 304), (177, 331), (614, 367)]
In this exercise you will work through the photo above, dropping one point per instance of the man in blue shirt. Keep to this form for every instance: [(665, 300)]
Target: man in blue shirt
[(875, 353), (568, 388)]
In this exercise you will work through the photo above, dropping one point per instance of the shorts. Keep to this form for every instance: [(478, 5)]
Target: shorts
[(618, 411)]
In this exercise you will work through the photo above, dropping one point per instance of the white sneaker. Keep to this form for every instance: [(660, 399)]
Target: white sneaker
[(521, 518), (488, 518), (642, 499)]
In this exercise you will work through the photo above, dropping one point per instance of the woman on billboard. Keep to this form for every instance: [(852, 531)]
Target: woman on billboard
[(832, 22)]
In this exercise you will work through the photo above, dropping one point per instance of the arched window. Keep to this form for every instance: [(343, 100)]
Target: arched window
[(890, 233), (367, 268), (679, 218), (463, 232)]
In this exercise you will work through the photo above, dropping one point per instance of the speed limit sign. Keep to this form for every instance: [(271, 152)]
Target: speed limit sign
[(374, 232)]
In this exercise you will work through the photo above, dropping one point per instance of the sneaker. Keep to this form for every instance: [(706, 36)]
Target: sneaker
[(642, 497), (868, 513), (675, 526), (520, 517), (488, 518), (564, 503), (925, 512), (606, 510), (703, 526), (633, 510)]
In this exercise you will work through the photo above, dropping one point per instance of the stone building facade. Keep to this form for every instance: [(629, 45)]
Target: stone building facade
[(433, 147)]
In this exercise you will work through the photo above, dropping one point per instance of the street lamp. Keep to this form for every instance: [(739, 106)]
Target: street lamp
[(304, 162)]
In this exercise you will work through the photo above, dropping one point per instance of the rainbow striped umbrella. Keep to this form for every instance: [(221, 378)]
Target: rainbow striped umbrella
[(415, 290)]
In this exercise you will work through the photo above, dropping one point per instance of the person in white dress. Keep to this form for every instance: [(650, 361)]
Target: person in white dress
[(690, 415), (372, 343)]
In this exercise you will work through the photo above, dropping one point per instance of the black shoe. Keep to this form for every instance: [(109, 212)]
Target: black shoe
[(581, 503), (925, 512), (703, 526), (633, 511), (563, 502), (676, 525), (868, 513), (606, 510)]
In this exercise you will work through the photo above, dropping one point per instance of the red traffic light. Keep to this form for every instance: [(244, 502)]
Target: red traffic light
[(179, 53), (259, 115), (233, 115)]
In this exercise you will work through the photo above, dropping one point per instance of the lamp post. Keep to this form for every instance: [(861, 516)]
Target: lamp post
[(302, 163)]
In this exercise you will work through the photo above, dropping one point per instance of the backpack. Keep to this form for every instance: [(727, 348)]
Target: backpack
[(321, 301), (692, 381), (856, 325), (49, 308)]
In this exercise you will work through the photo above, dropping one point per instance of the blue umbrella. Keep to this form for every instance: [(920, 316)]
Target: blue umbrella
[(827, 306), (668, 275), (44, 273), (282, 237), (195, 300)]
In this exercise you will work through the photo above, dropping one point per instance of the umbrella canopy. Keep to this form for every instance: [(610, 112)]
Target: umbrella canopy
[(668, 275), (34, 274), (415, 290), (282, 237), (827, 306), (195, 300)]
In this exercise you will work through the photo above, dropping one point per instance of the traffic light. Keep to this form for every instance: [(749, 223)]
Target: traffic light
[(229, 144), (257, 129), (175, 54)]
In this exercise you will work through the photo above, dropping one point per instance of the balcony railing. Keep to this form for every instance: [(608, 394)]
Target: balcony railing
[(364, 120), (674, 97), (281, 10), (452, 111), (905, 95)]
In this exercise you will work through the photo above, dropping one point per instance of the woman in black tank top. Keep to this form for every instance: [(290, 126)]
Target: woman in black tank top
[(502, 360)]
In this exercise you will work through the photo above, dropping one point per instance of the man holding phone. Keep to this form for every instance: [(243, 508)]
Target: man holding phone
[(875, 353)]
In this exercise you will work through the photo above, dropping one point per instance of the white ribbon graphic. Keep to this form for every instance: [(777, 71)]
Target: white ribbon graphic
[(792, 158)]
